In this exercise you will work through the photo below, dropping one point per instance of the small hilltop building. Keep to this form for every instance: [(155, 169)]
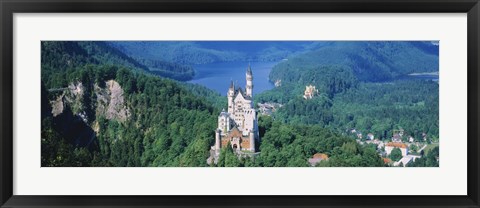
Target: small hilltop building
[(310, 92)]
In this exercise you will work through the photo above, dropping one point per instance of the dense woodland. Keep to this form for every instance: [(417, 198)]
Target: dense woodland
[(172, 123), (347, 98), (377, 108), (69, 55), (170, 126)]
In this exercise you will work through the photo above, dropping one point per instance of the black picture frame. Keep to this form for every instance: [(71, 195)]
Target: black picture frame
[(9, 7)]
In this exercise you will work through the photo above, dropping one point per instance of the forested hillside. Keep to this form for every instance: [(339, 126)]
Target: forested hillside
[(124, 103), (101, 108), (380, 108), (98, 114), (360, 86), (166, 125), (285, 145), (368, 60), (291, 145), (63, 55)]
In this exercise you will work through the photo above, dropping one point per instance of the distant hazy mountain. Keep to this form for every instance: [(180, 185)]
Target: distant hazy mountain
[(201, 52), (368, 60)]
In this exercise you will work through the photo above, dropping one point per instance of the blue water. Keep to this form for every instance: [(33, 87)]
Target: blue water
[(217, 76), (434, 78), (428, 77)]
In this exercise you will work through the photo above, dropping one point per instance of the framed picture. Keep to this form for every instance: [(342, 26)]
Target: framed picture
[(246, 104)]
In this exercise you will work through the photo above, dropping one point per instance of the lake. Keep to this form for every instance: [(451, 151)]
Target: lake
[(424, 76), (217, 76)]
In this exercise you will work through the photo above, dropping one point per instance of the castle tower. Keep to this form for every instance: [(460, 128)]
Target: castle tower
[(217, 141), (249, 76), (252, 141), (230, 94)]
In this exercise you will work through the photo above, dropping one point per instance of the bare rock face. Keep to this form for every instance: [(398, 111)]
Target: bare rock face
[(111, 102), (76, 89), (72, 96), (57, 106)]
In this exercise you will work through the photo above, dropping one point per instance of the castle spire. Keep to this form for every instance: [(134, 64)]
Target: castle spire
[(231, 84), (249, 70), (249, 78)]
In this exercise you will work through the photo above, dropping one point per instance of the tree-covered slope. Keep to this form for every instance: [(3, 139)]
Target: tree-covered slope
[(350, 95), (97, 110), (380, 108), (368, 60), (165, 124), (58, 57), (101, 107), (63, 55), (287, 145)]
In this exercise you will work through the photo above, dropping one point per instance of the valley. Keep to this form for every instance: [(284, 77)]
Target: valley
[(157, 104)]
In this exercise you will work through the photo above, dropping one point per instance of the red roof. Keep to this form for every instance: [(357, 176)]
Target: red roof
[(320, 156), (396, 144)]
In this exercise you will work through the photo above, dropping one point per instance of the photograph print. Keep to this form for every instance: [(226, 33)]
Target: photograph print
[(314, 104)]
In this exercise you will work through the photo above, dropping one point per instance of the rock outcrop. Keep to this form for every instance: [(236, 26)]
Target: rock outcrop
[(72, 96), (111, 102)]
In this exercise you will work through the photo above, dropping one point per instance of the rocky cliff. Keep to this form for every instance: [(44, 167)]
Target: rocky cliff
[(110, 101)]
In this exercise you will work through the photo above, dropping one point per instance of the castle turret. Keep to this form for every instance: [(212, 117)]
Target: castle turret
[(252, 141), (230, 94), (249, 77), (217, 141)]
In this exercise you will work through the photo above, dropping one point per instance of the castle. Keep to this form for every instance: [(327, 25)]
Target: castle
[(238, 126)]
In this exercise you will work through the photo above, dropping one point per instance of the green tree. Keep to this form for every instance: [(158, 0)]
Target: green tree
[(396, 154)]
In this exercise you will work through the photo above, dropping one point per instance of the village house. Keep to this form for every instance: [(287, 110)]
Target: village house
[(411, 139), (370, 136), (268, 108), (380, 144), (317, 158), (359, 135), (386, 161), (396, 138), (376, 142)]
